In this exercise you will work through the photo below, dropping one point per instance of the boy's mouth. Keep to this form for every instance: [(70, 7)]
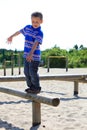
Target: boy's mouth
[(35, 26)]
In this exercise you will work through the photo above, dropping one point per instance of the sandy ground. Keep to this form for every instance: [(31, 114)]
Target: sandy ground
[(71, 114)]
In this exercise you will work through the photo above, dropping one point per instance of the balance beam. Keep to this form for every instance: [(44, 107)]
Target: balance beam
[(62, 77), (36, 102), (76, 78)]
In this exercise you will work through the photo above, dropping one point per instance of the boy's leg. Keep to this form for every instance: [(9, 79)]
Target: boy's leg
[(33, 67), (27, 75)]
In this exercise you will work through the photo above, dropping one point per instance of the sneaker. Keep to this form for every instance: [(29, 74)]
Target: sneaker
[(32, 91), (26, 90)]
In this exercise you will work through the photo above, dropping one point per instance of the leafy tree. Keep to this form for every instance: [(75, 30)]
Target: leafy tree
[(81, 47), (77, 57), (76, 47)]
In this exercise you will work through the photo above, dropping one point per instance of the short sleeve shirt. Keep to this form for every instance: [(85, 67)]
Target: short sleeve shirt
[(32, 35)]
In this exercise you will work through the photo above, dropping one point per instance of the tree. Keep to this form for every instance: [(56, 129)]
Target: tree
[(81, 47), (76, 47)]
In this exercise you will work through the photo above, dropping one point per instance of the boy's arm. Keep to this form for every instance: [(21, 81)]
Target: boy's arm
[(29, 57), (9, 39)]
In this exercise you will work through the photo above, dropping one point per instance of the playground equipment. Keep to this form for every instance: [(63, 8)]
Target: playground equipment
[(36, 102), (49, 57), (37, 99), (12, 64), (76, 78)]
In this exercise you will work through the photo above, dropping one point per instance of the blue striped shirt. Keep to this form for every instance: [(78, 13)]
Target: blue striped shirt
[(32, 35)]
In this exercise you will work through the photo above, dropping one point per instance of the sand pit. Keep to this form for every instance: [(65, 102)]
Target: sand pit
[(71, 114)]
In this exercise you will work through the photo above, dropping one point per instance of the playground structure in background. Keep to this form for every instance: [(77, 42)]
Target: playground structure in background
[(48, 63), (12, 64)]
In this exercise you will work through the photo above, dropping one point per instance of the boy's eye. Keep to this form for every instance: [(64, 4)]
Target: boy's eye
[(35, 22)]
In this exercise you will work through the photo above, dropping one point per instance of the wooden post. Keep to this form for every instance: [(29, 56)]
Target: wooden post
[(12, 68), (75, 87), (48, 65), (4, 67), (36, 113), (12, 64), (19, 63), (66, 64)]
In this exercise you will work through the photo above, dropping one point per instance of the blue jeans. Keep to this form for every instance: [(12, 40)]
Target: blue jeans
[(32, 77)]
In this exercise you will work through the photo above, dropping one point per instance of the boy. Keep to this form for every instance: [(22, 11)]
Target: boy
[(33, 38)]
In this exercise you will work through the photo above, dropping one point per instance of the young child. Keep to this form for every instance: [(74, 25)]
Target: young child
[(33, 38)]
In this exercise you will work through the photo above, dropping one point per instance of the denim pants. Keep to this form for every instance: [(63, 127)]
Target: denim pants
[(31, 74)]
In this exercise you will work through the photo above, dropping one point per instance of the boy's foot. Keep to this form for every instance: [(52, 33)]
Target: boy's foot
[(28, 90)]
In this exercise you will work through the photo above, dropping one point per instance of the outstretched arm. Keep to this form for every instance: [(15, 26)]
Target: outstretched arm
[(9, 39)]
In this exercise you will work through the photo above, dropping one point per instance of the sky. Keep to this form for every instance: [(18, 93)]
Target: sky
[(64, 22)]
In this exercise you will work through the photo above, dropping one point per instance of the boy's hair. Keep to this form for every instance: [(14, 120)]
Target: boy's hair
[(37, 14)]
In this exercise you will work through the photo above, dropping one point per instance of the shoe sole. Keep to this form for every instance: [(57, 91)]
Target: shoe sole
[(33, 92)]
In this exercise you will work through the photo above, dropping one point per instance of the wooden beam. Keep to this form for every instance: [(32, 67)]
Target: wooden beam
[(61, 77), (41, 99), (56, 56), (36, 102)]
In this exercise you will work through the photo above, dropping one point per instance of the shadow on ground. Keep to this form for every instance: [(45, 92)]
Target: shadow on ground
[(15, 102), (8, 126)]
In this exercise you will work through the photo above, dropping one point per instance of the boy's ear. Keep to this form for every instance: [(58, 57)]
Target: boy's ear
[(41, 21)]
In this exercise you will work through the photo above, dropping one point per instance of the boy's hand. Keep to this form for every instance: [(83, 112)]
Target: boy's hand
[(29, 58), (9, 40)]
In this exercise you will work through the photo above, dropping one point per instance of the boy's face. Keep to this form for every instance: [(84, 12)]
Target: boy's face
[(36, 21)]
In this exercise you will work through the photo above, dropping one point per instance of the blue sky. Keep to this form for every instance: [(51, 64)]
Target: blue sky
[(65, 22)]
